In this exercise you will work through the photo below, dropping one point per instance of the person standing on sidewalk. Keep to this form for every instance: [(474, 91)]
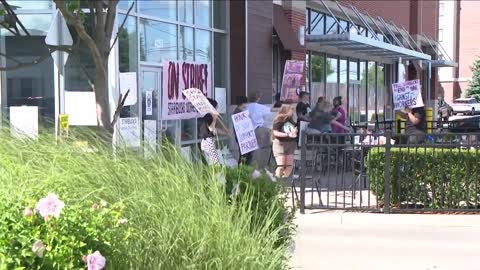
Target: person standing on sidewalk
[(241, 103), (284, 136), (258, 114), (208, 131), (303, 107), (416, 126)]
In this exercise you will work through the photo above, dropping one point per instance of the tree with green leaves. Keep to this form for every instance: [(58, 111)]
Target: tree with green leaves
[(371, 76), (318, 69), (474, 84), (94, 30)]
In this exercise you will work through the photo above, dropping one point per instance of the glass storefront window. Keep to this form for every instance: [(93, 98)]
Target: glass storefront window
[(220, 60), (189, 128), (318, 76), (330, 25), (203, 48), (29, 86), (371, 95), (343, 79), (362, 97), (32, 5), (353, 94), (332, 79), (80, 71), (126, 4), (344, 25), (203, 13), (127, 47), (185, 11), (353, 72), (127, 44), (165, 9), (185, 45), (317, 23), (219, 11), (158, 41), (381, 93), (36, 24)]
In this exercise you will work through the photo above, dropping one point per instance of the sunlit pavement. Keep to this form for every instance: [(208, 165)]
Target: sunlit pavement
[(338, 240)]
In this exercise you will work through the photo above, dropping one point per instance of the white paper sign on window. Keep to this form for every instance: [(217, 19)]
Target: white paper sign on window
[(407, 94), (221, 98), (245, 133), (24, 122), (81, 108), (130, 131), (128, 81), (150, 137), (149, 102)]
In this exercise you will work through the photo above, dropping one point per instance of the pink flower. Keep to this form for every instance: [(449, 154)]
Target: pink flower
[(271, 176), (256, 174), (122, 221), (94, 206), (38, 248), (50, 206), (95, 261), (27, 212)]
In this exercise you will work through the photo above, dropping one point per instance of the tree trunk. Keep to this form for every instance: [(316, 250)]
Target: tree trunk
[(101, 95)]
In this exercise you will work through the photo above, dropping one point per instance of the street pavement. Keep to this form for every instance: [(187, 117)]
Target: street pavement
[(365, 241)]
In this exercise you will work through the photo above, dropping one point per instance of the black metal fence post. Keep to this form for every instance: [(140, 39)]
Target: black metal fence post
[(303, 171), (386, 195)]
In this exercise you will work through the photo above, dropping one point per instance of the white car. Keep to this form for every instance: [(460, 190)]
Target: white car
[(466, 106)]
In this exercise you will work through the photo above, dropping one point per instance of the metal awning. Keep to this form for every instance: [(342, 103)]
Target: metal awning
[(443, 63), (365, 48), (440, 55)]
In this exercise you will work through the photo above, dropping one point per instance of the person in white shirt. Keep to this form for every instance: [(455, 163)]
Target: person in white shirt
[(257, 111), (258, 114)]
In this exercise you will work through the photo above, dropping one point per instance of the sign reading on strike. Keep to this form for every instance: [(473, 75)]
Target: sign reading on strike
[(178, 76), (199, 101), (245, 133), (407, 95)]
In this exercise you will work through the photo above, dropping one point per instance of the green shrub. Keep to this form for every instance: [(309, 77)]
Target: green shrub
[(432, 177), (178, 213), (29, 241), (264, 193)]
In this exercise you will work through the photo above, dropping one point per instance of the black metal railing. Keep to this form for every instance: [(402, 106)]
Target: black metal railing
[(387, 173)]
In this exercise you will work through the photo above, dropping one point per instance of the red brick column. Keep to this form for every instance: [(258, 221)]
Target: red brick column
[(296, 18)]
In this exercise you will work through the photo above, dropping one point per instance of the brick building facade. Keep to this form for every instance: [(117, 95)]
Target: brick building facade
[(458, 27), (266, 47)]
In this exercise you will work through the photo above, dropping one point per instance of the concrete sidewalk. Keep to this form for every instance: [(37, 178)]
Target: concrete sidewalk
[(339, 240)]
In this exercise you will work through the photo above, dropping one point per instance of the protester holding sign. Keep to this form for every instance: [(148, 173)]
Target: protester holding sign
[(407, 96), (208, 131), (416, 125), (242, 102), (284, 136)]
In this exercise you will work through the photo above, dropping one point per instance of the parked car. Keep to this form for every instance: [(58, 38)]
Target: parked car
[(467, 124), (444, 110), (466, 106)]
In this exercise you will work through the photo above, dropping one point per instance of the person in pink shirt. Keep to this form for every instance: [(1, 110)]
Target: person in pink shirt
[(341, 115)]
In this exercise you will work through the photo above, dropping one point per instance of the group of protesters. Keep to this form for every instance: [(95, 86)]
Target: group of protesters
[(276, 129)]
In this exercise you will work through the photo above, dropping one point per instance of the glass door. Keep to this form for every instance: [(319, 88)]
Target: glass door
[(354, 102), (150, 84)]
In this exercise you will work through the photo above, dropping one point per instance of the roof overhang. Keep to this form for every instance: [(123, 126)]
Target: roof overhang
[(361, 47), (443, 63)]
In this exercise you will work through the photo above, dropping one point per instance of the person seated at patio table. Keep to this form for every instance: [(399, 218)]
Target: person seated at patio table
[(323, 118)]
